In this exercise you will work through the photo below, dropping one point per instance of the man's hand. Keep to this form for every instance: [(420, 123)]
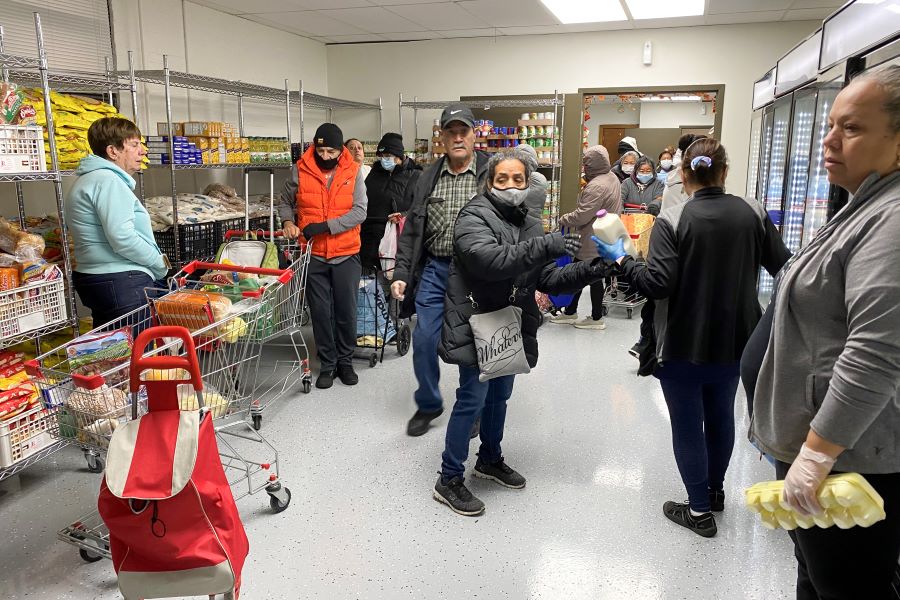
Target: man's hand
[(314, 229), (398, 290), (290, 230), (395, 217)]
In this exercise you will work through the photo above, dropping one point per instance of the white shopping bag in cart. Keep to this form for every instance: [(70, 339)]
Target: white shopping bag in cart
[(387, 249)]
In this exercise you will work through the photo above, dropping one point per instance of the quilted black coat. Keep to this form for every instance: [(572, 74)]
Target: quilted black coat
[(497, 249)]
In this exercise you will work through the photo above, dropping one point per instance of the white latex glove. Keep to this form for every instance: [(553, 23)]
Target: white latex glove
[(398, 290), (801, 484)]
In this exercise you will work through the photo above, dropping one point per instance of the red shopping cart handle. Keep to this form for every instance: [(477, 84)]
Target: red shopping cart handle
[(259, 232), (188, 362), (638, 206), (283, 275)]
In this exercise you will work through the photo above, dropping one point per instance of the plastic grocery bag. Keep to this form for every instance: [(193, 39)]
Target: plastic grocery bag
[(387, 250)]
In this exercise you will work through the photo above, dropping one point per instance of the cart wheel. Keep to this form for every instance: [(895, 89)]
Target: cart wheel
[(88, 557), (95, 464), (604, 310), (307, 386), (630, 312), (373, 360), (404, 339), (277, 505), (257, 421)]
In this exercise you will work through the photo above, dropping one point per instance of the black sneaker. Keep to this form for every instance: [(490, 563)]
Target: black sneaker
[(325, 380), (704, 525), (420, 421), (717, 500), (499, 472), (347, 375), (476, 428), (457, 496)]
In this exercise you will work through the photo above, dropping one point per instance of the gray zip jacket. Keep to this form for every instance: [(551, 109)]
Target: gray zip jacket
[(833, 361)]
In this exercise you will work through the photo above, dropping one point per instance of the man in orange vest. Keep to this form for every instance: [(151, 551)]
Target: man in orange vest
[(325, 201)]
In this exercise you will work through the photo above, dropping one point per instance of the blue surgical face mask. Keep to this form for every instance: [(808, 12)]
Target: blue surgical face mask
[(645, 177), (387, 163)]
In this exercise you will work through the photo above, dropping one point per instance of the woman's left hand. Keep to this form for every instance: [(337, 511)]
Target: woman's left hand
[(611, 252), (803, 479), (395, 217)]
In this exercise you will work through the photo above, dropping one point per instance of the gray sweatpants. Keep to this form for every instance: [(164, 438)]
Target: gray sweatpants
[(331, 289)]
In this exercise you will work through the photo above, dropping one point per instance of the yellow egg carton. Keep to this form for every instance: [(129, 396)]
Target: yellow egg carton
[(847, 499)]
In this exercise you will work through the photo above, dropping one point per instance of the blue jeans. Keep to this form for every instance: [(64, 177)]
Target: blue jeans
[(113, 295), (427, 334), (473, 398), (701, 408)]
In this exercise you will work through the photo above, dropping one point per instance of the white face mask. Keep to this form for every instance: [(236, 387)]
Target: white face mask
[(628, 169), (510, 196), (665, 164)]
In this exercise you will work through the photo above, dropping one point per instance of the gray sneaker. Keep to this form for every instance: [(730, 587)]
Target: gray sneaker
[(499, 472), (457, 496)]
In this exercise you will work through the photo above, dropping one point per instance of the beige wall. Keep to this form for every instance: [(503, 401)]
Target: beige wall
[(733, 55)]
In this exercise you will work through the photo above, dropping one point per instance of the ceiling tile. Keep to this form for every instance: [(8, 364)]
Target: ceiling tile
[(671, 22), (509, 13), (718, 7), (373, 19), (467, 33), (571, 28), (832, 4), (358, 38), (767, 16), (407, 2), (310, 22), (411, 35), (435, 16), (808, 14), (272, 6)]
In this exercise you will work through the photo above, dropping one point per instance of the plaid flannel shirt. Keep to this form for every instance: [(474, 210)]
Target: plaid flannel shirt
[(451, 193)]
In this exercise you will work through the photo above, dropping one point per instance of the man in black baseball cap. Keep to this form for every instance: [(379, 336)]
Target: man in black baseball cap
[(457, 112), (425, 251)]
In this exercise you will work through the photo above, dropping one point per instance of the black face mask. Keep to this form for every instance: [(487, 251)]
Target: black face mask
[(326, 164)]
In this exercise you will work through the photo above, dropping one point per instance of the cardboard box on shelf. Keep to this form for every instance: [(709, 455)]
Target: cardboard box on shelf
[(163, 128), (203, 128)]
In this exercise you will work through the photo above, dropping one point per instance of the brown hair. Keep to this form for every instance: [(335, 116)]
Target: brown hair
[(110, 131), (705, 163)]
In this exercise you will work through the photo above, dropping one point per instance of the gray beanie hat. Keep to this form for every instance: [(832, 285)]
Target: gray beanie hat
[(529, 152)]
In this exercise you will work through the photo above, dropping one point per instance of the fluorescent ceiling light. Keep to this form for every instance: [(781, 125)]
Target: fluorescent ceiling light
[(664, 9), (586, 11)]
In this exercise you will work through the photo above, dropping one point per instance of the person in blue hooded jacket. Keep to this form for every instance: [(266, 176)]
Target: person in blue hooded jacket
[(116, 256)]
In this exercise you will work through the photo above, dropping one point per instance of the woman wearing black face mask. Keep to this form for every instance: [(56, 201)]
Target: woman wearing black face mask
[(325, 202), (500, 256)]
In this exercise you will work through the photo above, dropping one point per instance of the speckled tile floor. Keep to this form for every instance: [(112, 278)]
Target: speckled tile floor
[(591, 437)]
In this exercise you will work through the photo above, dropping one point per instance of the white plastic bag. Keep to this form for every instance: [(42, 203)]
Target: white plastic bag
[(387, 250)]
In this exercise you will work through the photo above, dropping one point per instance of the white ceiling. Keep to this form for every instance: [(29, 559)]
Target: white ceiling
[(353, 21)]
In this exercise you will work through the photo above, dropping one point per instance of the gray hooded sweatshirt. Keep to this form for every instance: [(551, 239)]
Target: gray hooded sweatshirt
[(603, 190), (833, 361)]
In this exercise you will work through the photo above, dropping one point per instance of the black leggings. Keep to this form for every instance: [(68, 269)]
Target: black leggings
[(598, 291), (850, 564)]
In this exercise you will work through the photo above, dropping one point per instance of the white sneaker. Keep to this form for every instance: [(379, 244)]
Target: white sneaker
[(589, 323), (563, 319)]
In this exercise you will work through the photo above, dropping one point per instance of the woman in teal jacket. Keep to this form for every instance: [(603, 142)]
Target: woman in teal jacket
[(116, 256)]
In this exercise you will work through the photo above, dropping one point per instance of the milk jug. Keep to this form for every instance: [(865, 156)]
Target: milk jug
[(609, 227)]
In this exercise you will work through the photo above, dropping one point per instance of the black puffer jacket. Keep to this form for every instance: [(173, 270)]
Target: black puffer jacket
[(497, 248), (388, 192)]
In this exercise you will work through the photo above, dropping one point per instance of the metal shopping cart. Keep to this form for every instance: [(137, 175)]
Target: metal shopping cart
[(88, 388), (621, 293)]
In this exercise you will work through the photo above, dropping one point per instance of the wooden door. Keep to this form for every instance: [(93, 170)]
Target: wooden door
[(611, 135)]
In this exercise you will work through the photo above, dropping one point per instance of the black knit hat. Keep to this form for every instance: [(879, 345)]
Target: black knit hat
[(391, 143), (328, 135)]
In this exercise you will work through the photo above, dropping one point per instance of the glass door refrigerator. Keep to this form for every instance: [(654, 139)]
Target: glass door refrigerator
[(817, 188), (773, 170)]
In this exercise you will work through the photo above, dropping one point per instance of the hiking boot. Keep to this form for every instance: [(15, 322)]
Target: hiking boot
[(704, 524), (325, 380), (563, 319), (717, 500), (476, 428), (590, 323), (420, 421), (457, 496), (347, 375), (499, 472)]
